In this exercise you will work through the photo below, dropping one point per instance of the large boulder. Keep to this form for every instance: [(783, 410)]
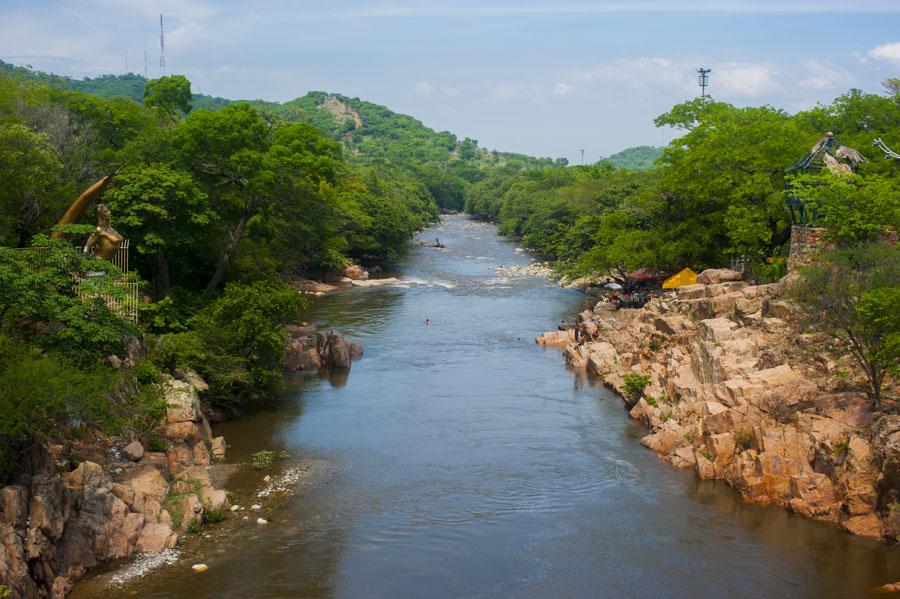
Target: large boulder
[(134, 451), (885, 436), (712, 276), (334, 350), (355, 272), (150, 482), (155, 537)]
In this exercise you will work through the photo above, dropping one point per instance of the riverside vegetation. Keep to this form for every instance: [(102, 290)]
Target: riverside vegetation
[(224, 202)]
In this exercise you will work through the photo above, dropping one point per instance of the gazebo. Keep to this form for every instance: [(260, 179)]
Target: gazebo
[(829, 154)]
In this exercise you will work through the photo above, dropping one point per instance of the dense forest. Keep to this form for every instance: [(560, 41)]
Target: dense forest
[(717, 191), (368, 133), (224, 201), (636, 158), (220, 208)]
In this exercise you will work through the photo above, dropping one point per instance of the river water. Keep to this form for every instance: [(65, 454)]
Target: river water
[(462, 460)]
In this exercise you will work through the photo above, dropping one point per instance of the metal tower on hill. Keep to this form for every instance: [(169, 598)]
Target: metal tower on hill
[(162, 46), (704, 80)]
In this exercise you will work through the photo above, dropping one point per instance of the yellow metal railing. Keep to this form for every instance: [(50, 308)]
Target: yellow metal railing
[(124, 303)]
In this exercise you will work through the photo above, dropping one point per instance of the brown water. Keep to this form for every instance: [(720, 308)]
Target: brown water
[(463, 460)]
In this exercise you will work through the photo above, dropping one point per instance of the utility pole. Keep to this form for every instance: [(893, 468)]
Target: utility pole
[(582, 156), (126, 61), (145, 64), (704, 80), (162, 46)]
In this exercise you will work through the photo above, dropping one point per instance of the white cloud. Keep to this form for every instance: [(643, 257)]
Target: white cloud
[(888, 52), (747, 79), (820, 76), (427, 89), (642, 76), (424, 88), (313, 11), (561, 89)]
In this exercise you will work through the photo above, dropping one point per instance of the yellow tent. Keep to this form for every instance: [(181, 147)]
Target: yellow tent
[(685, 277)]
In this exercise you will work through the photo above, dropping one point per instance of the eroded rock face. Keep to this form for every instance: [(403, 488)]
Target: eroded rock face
[(307, 351), (740, 394), (60, 522)]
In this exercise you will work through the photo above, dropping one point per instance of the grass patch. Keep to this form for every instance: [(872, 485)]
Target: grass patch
[(265, 459)]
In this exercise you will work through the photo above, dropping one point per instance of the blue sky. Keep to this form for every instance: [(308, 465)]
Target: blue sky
[(538, 77)]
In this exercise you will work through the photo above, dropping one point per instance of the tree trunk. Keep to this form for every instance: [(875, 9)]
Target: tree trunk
[(162, 274), (230, 249)]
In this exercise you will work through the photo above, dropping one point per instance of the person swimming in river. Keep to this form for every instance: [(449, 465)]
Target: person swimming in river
[(426, 322), (563, 326)]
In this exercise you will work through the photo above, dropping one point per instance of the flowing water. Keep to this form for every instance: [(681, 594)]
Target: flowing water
[(462, 460)]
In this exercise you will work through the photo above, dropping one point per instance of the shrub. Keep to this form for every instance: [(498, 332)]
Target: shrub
[(46, 397), (156, 443), (852, 296), (841, 449), (634, 385), (212, 515), (742, 441)]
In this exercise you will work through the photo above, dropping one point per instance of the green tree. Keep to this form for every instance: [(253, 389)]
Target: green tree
[(30, 171), (852, 207), (170, 95), (853, 295), (242, 336), (165, 214), (47, 297)]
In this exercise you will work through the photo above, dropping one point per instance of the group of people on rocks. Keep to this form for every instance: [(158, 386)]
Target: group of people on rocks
[(582, 333)]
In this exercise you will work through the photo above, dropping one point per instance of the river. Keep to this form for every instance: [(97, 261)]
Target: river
[(460, 459)]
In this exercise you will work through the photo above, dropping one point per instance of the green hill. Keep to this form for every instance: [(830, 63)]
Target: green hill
[(104, 86), (637, 158), (368, 132)]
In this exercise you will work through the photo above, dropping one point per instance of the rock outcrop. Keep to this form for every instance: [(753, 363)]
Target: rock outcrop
[(739, 393), (57, 521), (308, 350)]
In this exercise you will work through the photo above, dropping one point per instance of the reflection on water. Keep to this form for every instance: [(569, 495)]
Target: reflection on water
[(462, 460)]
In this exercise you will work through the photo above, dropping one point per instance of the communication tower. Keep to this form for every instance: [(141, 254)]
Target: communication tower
[(704, 80), (162, 46)]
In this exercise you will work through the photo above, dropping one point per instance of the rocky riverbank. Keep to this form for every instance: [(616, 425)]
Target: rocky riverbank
[(96, 500), (738, 391)]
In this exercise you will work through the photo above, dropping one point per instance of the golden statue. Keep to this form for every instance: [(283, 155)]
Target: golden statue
[(106, 241), (73, 214)]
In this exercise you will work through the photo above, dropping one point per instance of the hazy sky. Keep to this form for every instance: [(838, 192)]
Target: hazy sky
[(539, 77)]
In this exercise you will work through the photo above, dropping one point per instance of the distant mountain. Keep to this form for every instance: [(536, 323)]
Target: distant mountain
[(636, 158), (368, 131), (105, 86)]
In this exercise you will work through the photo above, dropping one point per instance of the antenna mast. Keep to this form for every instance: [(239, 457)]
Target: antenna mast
[(145, 64), (162, 46), (704, 80)]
